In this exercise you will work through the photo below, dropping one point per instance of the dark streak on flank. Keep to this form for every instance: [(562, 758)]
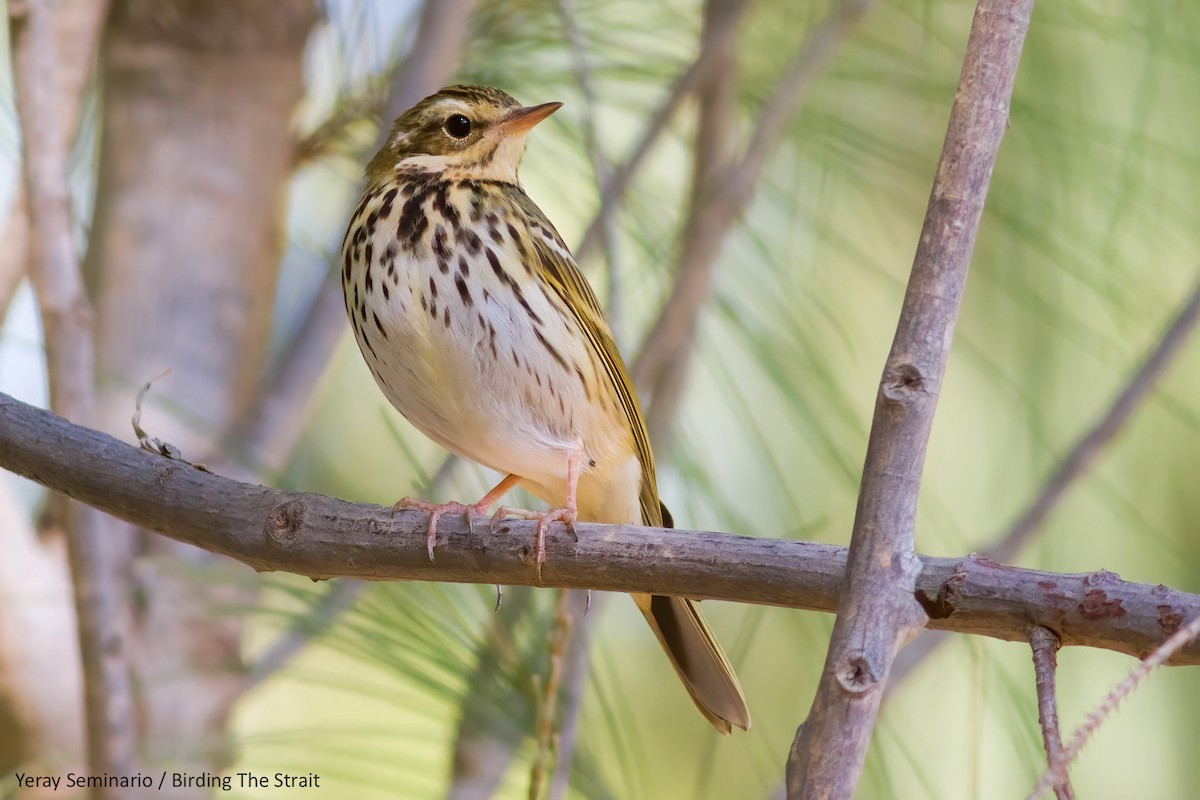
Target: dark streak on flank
[(507, 280), (587, 390), (367, 342), (440, 248), (463, 291), (471, 240), (557, 356)]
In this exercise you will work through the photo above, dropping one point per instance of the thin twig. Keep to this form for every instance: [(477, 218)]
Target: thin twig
[(322, 537), (875, 610), (67, 326), (1077, 463), (1081, 456), (576, 665), (560, 633), (1044, 646), (1056, 774)]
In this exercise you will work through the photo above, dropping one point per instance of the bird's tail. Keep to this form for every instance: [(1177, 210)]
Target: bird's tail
[(698, 658)]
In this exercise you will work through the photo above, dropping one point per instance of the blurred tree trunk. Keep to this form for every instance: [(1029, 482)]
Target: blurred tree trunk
[(182, 264)]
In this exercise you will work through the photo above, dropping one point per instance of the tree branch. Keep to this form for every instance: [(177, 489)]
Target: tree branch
[(875, 612), (1056, 774), (1044, 645), (67, 326), (1080, 458), (77, 25), (324, 537)]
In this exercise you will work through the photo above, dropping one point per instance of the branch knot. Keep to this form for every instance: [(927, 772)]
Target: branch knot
[(856, 676), (285, 521), (903, 382)]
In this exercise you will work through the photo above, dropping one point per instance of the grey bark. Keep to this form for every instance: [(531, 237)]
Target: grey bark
[(323, 537), (875, 610)]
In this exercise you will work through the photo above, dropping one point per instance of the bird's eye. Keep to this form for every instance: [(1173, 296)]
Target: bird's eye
[(458, 126)]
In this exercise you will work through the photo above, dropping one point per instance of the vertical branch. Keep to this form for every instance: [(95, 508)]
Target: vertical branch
[(576, 663), (76, 23), (1044, 644), (1076, 464), (67, 325), (560, 634), (39, 649), (876, 610)]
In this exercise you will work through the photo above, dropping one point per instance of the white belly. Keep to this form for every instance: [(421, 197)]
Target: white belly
[(481, 363)]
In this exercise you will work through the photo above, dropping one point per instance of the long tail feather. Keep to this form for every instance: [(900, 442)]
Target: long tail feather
[(698, 658)]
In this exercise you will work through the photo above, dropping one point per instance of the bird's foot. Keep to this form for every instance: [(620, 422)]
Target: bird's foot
[(436, 510), (544, 519)]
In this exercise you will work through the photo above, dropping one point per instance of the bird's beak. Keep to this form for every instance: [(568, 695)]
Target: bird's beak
[(523, 119)]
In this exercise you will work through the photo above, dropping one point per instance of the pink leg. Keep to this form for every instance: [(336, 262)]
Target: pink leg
[(436, 510), (565, 514)]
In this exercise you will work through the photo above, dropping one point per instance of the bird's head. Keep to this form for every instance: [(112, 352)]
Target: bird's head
[(462, 132)]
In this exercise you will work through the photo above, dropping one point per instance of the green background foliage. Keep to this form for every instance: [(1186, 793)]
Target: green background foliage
[(1088, 244)]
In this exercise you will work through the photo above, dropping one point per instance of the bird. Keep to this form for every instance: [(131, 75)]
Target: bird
[(481, 330)]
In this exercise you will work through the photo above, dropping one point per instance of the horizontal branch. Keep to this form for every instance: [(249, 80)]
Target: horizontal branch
[(323, 537)]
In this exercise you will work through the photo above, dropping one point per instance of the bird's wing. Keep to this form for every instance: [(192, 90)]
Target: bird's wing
[(563, 276)]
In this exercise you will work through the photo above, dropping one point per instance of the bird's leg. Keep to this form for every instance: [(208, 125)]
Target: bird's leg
[(567, 513), (436, 510)]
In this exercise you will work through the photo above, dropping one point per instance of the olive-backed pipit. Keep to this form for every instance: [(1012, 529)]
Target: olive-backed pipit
[(480, 328)]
